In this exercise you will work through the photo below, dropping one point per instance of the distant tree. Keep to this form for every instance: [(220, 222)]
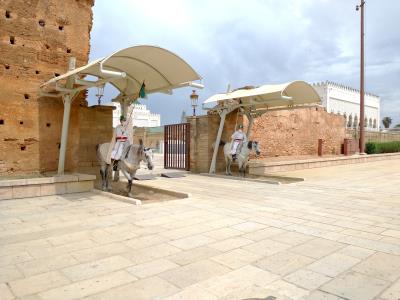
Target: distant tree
[(397, 126), (386, 121)]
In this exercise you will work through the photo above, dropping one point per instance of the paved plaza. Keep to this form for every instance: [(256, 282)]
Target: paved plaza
[(334, 236)]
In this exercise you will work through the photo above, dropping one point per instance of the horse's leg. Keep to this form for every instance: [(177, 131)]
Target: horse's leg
[(103, 176), (226, 165), (130, 188), (108, 176), (229, 167), (116, 172)]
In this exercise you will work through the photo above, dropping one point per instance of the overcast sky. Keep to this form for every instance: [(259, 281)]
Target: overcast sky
[(257, 42)]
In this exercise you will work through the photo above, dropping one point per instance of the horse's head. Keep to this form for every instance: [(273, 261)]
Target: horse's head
[(253, 146), (147, 155)]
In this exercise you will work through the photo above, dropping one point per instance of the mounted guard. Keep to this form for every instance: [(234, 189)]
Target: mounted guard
[(238, 138)]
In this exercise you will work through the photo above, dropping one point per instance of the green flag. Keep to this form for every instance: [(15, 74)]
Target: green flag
[(142, 92)]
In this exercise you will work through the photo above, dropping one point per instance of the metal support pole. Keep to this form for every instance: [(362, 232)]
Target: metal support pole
[(362, 117), (217, 141), (64, 133), (67, 98)]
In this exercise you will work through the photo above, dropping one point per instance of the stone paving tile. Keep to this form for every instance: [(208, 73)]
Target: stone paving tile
[(237, 258), (44, 265), (5, 292), (287, 289), (266, 247), (37, 283), (147, 254), (186, 231), (96, 268), (231, 243), (372, 245), (88, 287), (391, 240), (392, 233), (292, 238), (193, 273), (333, 264), (392, 293), (307, 279), (223, 233), (144, 289), (192, 242), (60, 250), (152, 268), (224, 222), (145, 241), (356, 252), (193, 255), (10, 273), (193, 292), (362, 234), (380, 265), (14, 258), (283, 263), (355, 286), (319, 295), (99, 252), (263, 234), (317, 248), (237, 280), (248, 226)]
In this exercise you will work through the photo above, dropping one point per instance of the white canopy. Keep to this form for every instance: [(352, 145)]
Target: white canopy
[(291, 93), (127, 69), (159, 69)]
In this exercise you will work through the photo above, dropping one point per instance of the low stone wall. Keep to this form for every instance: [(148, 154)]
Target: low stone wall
[(45, 186), (264, 168)]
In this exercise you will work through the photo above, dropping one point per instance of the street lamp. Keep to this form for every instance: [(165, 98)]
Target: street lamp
[(100, 93), (362, 130), (193, 98)]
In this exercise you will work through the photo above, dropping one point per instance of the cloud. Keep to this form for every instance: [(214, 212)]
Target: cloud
[(258, 42)]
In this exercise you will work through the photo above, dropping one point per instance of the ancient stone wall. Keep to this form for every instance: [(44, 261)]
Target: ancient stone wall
[(203, 132), (296, 132), (37, 37), (280, 133)]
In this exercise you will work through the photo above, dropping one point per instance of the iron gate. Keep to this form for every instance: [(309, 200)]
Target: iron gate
[(177, 146)]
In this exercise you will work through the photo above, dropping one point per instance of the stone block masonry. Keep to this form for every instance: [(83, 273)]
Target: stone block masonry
[(37, 38), (296, 132)]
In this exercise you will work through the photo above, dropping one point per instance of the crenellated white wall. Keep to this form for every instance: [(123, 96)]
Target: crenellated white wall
[(340, 99)]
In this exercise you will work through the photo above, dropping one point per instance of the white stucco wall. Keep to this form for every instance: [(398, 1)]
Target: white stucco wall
[(340, 99), (141, 116)]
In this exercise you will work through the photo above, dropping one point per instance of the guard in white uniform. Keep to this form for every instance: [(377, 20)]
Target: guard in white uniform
[(238, 137)]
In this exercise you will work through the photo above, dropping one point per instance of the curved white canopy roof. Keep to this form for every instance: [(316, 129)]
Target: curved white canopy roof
[(291, 93), (160, 69)]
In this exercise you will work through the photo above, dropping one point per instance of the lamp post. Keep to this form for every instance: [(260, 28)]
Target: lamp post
[(193, 98), (100, 93), (362, 130)]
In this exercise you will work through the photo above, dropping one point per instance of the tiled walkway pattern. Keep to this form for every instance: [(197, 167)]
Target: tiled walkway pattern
[(320, 239)]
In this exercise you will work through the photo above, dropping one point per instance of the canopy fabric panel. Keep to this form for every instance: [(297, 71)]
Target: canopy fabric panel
[(159, 68), (291, 93)]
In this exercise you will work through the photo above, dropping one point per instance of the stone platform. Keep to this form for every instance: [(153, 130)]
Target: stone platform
[(262, 167), (45, 186)]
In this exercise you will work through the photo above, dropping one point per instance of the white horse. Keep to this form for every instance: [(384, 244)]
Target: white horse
[(242, 157), (129, 163)]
